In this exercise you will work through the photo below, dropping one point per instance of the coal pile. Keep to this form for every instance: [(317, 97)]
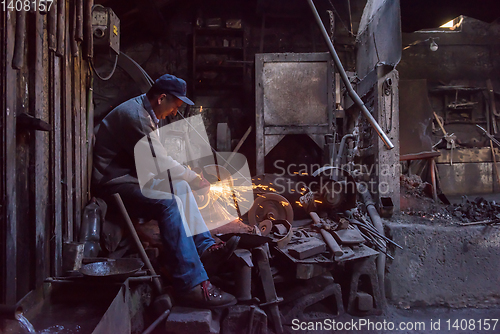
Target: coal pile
[(475, 210)]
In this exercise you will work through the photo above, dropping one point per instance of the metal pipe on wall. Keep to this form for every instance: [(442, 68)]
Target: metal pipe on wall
[(354, 96)]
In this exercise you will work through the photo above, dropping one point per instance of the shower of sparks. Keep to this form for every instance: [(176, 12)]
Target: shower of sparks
[(223, 201)]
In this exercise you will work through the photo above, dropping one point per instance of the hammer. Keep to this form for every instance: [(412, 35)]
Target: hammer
[(330, 241)]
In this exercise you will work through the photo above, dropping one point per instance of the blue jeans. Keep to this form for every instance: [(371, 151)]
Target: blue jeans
[(182, 252)]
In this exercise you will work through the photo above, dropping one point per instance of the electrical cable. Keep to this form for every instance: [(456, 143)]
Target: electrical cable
[(92, 62), (98, 75)]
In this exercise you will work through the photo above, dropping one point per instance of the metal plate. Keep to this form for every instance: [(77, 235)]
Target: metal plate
[(295, 93), (415, 117), (116, 269), (348, 236)]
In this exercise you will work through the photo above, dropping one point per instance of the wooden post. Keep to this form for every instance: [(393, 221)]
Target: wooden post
[(41, 154), (8, 162), (61, 27)]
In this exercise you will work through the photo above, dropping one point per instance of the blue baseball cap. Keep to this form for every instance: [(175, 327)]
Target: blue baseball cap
[(173, 85)]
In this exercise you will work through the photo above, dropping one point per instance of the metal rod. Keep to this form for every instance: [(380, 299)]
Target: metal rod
[(354, 96), (354, 221), (489, 136), (138, 243), (240, 143), (156, 322)]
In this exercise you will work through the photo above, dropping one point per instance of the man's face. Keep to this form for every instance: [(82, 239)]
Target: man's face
[(167, 105)]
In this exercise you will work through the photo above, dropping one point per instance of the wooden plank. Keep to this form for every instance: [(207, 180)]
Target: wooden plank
[(25, 174), (56, 148), (62, 25), (3, 224), (87, 29), (41, 154), (9, 271), (67, 146), (79, 20), (52, 26), (90, 132), (72, 37), (77, 166), (83, 131)]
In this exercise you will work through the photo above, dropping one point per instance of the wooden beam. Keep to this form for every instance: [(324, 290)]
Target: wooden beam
[(8, 161), (62, 24), (67, 146), (77, 152), (56, 163), (41, 154)]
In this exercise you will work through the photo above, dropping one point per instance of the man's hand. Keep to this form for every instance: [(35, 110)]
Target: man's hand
[(200, 185)]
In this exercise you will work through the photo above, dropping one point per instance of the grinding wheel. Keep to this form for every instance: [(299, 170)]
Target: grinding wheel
[(270, 206), (265, 227)]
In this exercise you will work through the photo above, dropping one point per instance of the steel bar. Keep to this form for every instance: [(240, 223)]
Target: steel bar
[(354, 96), (138, 243), (156, 322), (354, 221), (489, 136), (489, 221), (376, 244), (236, 149)]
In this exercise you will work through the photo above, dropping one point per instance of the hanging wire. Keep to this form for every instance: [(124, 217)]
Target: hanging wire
[(107, 77), (342, 21), (91, 61)]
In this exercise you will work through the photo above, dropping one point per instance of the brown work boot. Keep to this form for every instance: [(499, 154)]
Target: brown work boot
[(213, 257), (206, 295)]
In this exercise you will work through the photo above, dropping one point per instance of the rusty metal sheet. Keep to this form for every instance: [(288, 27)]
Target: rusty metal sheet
[(476, 154), (379, 36), (415, 117), (466, 178), (295, 93)]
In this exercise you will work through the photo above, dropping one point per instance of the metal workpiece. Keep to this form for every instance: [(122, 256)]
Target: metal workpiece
[(354, 96), (243, 271)]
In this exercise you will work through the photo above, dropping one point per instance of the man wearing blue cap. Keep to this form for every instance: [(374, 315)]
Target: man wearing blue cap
[(187, 258)]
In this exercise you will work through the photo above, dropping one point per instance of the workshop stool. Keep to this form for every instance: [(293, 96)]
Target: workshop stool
[(321, 290), (365, 297)]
